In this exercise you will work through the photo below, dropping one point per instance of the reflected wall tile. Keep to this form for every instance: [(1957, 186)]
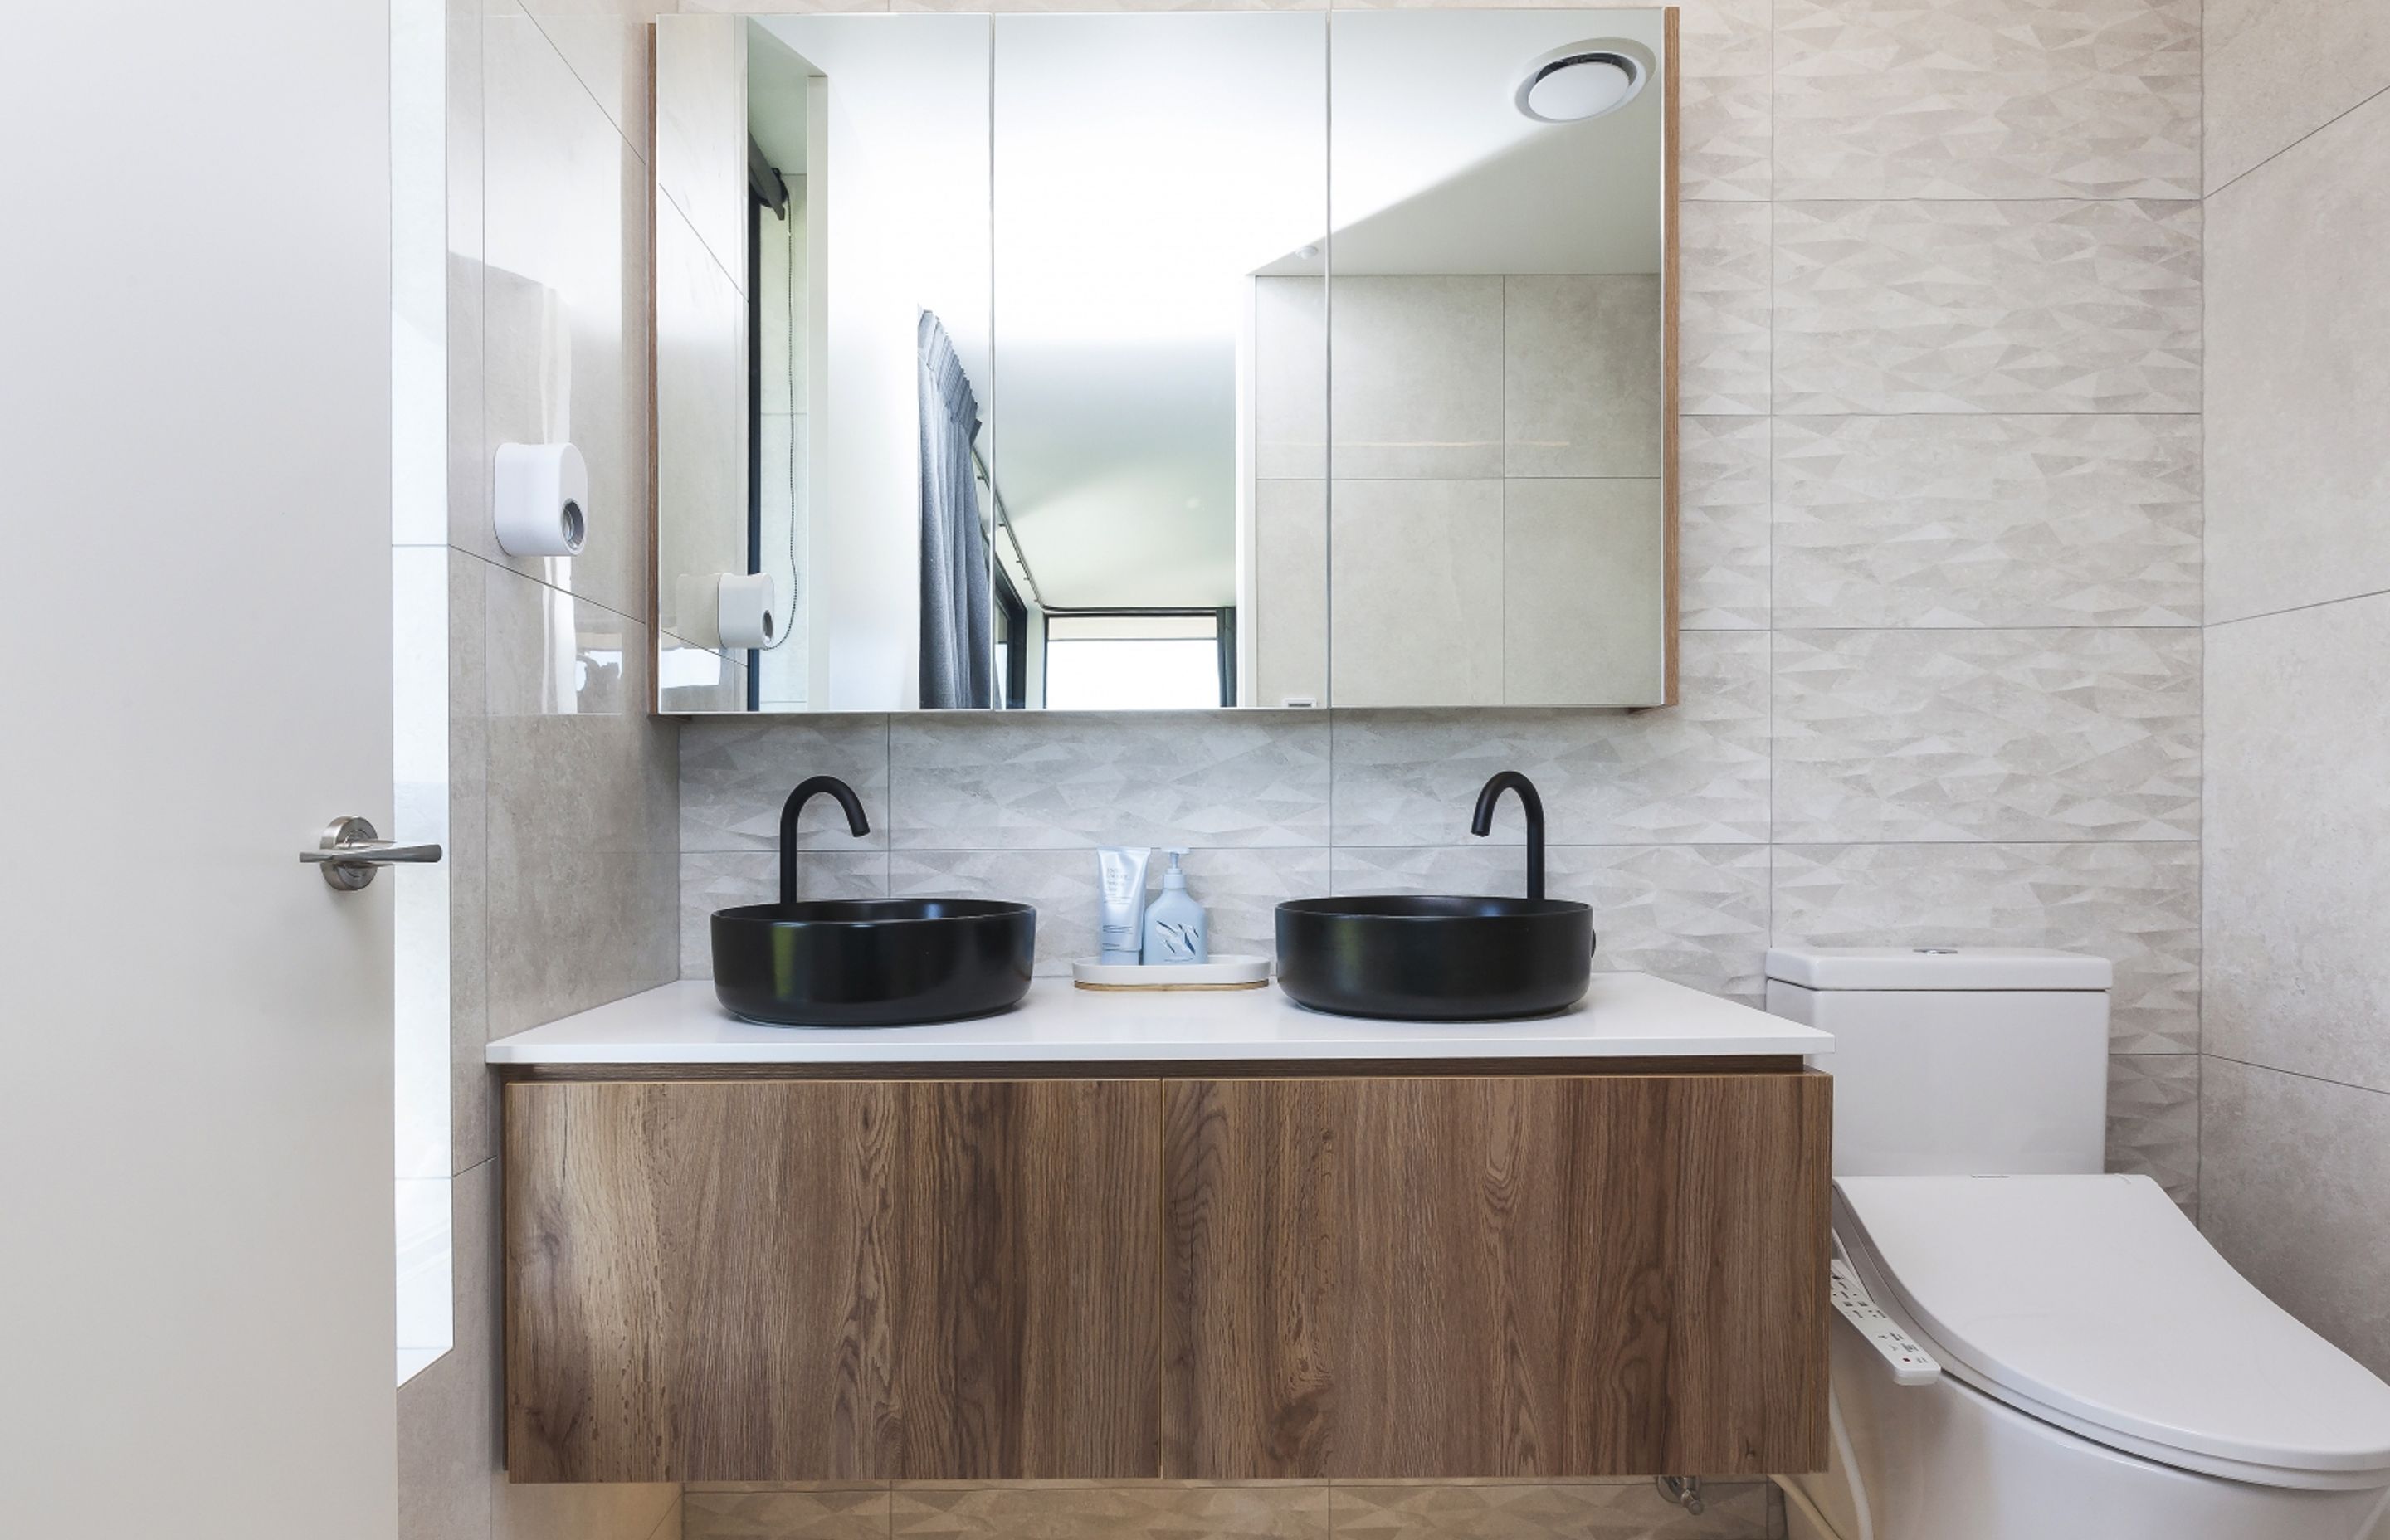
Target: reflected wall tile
[(1113, 1512), (2136, 903), (726, 879), (469, 470), (552, 653), (2281, 68), (2154, 1121), (1960, 521), (1060, 883), (1416, 375), (1723, 523), (565, 302), (2299, 742), (1694, 774), (2043, 306), (735, 774), (700, 143), (2086, 734), (1415, 593), (1041, 780), (1581, 375), (1726, 99), (1988, 99), (606, 43), (832, 1513), (2291, 1173), (1289, 377), (1724, 346), (1575, 1510), (699, 682), (1584, 616), (1289, 625), (2298, 384), (700, 442), (1694, 914), (785, 7)]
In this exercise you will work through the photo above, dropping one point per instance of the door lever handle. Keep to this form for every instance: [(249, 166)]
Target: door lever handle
[(353, 850)]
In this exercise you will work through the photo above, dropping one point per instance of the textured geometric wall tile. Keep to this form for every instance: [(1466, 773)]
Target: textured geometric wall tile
[(734, 776), (2134, 904), (1288, 1512), (1988, 99), (2086, 734), (1694, 914), (2040, 306), (1958, 521), (2154, 1121), (1722, 523), (1694, 774), (1575, 1510), (724, 880), (1723, 310), (837, 1513), (1021, 780), (1724, 59)]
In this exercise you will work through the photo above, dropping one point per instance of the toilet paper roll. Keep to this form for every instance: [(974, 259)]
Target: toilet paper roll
[(746, 610), (543, 499)]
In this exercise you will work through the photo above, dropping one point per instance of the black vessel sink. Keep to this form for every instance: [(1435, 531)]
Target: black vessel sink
[(1430, 958), (887, 962)]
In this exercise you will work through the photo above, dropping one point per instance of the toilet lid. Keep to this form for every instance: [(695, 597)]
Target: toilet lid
[(2090, 1301)]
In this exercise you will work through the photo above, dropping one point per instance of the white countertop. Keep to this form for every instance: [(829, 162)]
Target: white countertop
[(1623, 1016)]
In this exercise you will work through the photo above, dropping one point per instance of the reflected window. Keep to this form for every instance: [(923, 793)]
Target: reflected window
[(1125, 661)]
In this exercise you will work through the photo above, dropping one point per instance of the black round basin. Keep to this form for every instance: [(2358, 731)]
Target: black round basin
[(883, 962), (1431, 958)]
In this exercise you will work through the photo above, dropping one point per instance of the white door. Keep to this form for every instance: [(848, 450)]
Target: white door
[(195, 1029)]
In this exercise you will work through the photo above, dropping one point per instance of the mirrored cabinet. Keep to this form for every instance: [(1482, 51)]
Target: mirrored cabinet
[(1164, 361)]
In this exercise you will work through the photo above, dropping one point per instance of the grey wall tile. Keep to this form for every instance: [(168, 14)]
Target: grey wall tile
[(2298, 814), (2134, 904), (1696, 774), (1584, 615), (1415, 593), (2154, 1121), (472, 1093), (1581, 375), (1723, 530), (735, 775), (2279, 69), (1289, 377), (1726, 101), (725, 879), (1071, 781), (2293, 1172), (1522, 1510), (1958, 521), (1289, 624), (606, 43), (1988, 99), (448, 1421), (2088, 733), (1722, 311), (2040, 306), (2298, 328), (1694, 914), (1416, 375)]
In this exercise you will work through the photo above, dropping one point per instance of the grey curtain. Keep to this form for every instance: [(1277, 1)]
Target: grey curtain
[(958, 641)]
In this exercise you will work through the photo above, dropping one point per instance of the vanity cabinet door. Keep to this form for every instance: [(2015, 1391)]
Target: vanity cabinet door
[(761, 1280), (1532, 1277)]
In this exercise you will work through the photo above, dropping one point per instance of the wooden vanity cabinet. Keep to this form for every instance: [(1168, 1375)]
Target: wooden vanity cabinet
[(1348, 1276)]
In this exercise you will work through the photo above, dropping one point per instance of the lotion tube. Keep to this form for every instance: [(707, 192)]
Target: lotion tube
[(1121, 873)]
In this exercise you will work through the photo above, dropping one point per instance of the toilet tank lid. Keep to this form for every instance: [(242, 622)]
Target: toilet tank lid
[(1972, 967)]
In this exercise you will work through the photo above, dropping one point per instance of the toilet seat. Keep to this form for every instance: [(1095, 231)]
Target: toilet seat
[(2090, 1303)]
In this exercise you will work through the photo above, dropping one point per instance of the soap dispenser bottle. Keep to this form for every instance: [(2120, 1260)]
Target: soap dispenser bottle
[(1176, 931)]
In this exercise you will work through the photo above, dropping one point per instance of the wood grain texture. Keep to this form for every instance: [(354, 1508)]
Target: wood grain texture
[(794, 1280), (1604, 1275)]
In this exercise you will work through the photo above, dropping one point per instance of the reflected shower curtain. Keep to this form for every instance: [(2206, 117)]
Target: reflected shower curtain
[(957, 646)]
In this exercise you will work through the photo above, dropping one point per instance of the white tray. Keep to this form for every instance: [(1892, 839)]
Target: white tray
[(1226, 971)]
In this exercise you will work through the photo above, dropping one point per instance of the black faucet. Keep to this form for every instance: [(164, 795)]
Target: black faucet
[(1481, 824), (856, 823)]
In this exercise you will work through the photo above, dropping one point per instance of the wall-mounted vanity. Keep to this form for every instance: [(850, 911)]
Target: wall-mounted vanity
[(1263, 359)]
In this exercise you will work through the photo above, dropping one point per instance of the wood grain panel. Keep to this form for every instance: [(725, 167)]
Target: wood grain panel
[(794, 1280), (1501, 1277)]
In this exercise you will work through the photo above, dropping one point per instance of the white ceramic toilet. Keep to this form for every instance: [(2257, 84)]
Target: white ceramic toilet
[(2061, 1355)]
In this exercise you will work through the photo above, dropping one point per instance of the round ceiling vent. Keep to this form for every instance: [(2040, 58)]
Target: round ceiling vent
[(1583, 81)]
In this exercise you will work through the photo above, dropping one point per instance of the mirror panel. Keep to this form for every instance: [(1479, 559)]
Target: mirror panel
[(1014, 384)]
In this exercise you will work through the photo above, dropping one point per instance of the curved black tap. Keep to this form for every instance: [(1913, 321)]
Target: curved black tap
[(1481, 824), (806, 791)]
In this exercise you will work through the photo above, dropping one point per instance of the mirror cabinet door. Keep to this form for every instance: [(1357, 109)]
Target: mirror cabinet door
[(994, 360)]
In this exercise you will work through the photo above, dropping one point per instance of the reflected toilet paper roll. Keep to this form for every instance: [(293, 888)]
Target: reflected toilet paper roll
[(542, 502), (746, 610)]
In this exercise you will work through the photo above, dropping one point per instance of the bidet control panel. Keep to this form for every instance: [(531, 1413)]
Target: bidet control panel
[(1911, 1365)]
